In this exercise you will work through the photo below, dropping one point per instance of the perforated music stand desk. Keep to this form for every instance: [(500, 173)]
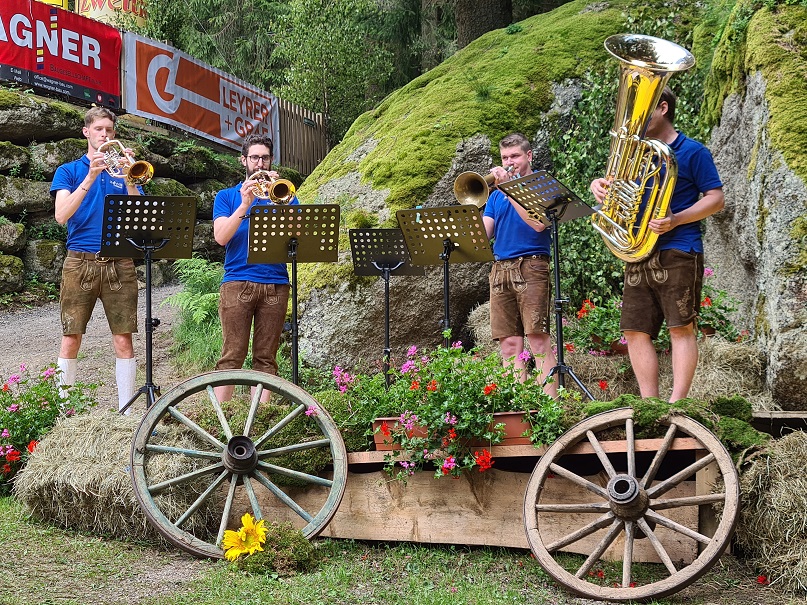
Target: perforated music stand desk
[(382, 251), (148, 227), (305, 234), (548, 200), (452, 234)]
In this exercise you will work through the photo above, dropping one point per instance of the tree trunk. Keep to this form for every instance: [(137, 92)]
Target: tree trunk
[(476, 17)]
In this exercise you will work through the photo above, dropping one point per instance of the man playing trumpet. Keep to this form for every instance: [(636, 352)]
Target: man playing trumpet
[(79, 189), (519, 280), (257, 293)]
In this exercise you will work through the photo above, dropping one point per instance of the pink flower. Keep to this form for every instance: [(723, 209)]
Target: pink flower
[(48, 373), (23, 367), (13, 407), (5, 433), (448, 464), (312, 411), (413, 350), (408, 366), (14, 378), (708, 272), (456, 345), (525, 356), (450, 419)]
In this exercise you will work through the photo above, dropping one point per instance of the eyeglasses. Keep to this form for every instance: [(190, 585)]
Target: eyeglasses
[(267, 159)]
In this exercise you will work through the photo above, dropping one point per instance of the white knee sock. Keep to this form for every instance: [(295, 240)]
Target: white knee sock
[(67, 375), (125, 373)]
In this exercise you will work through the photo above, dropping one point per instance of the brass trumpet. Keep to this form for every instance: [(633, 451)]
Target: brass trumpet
[(473, 188), (121, 165), (279, 191)]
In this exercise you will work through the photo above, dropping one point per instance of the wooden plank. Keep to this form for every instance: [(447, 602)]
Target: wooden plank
[(610, 447), (475, 509), (778, 422)]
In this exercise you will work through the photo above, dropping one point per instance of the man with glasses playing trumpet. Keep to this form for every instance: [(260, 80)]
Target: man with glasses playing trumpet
[(79, 189), (256, 293), (519, 280)]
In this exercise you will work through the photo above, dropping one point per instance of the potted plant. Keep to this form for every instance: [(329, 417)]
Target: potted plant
[(716, 306), (439, 409), (597, 327)]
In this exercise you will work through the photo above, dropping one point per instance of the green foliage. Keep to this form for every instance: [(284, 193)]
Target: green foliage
[(50, 230), (286, 553), (322, 45), (716, 310), (29, 407), (197, 335)]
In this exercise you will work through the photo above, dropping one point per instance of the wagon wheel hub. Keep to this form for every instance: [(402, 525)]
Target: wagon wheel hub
[(627, 498), (240, 456)]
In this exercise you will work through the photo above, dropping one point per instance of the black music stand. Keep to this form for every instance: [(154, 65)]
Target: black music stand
[(547, 200), (305, 234), (452, 234), (383, 250), (148, 227)]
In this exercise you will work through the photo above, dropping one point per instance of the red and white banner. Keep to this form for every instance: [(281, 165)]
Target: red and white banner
[(165, 84), (59, 51)]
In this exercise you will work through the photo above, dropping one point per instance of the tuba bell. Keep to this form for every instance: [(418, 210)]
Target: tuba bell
[(279, 191), (635, 163), (471, 188), (119, 164)]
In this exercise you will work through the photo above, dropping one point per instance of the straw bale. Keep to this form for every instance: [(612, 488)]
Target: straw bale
[(78, 478), (772, 529)]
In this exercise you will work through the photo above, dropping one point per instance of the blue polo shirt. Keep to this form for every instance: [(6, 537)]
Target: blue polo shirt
[(235, 252), (512, 236), (85, 226), (696, 174)]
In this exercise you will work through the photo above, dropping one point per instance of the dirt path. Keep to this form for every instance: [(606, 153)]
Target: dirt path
[(32, 337)]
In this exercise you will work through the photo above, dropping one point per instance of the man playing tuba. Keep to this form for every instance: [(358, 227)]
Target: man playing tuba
[(666, 285)]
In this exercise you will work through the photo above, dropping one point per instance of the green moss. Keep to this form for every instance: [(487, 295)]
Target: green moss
[(798, 233), (166, 187), (9, 99), (286, 553), (734, 407), (737, 435)]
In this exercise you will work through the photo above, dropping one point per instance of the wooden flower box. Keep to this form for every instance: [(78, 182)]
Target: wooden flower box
[(480, 508)]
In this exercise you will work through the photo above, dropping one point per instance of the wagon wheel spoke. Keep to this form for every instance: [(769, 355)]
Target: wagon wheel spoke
[(581, 533), (687, 501), (666, 485), (283, 497), (296, 470), (657, 546), (601, 455), (615, 528), (214, 401), (659, 457), (681, 529), (567, 509), (627, 554)]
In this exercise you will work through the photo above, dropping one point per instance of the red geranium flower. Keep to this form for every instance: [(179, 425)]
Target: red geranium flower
[(706, 302), (490, 388), (603, 384), (13, 456), (569, 347), (483, 460), (432, 386), (762, 579), (6, 469), (414, 386), (587, 306), (32, 446), (385, 429)]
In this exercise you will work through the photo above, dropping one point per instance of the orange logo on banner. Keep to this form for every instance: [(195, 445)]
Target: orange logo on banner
[(170, 86)]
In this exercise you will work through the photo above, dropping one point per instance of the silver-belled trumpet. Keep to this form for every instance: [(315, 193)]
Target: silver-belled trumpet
[(121, 165), (473, 188), (279, 191)]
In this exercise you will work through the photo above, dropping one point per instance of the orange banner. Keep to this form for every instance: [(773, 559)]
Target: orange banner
[(165, 84)]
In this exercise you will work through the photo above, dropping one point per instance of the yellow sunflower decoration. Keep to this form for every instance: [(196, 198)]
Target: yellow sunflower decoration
[(247, 540)]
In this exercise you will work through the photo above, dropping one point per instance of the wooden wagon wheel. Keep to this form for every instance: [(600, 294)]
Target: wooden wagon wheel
[(634, 504), (198, 465)]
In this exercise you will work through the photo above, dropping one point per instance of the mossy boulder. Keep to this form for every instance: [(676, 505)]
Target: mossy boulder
[(13, 158), (12, 274), (44, 258), (12, 237), (25, 118)]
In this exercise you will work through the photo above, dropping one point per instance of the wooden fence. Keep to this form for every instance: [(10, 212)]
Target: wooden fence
[(303, 140)]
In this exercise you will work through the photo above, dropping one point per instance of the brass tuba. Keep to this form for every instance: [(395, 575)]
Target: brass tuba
[(473, 188), (121, 165), (279, 191), (634, 163)]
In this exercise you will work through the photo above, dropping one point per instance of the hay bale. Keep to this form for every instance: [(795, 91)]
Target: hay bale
[(772, 529), (478, 324), (78, 478)]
